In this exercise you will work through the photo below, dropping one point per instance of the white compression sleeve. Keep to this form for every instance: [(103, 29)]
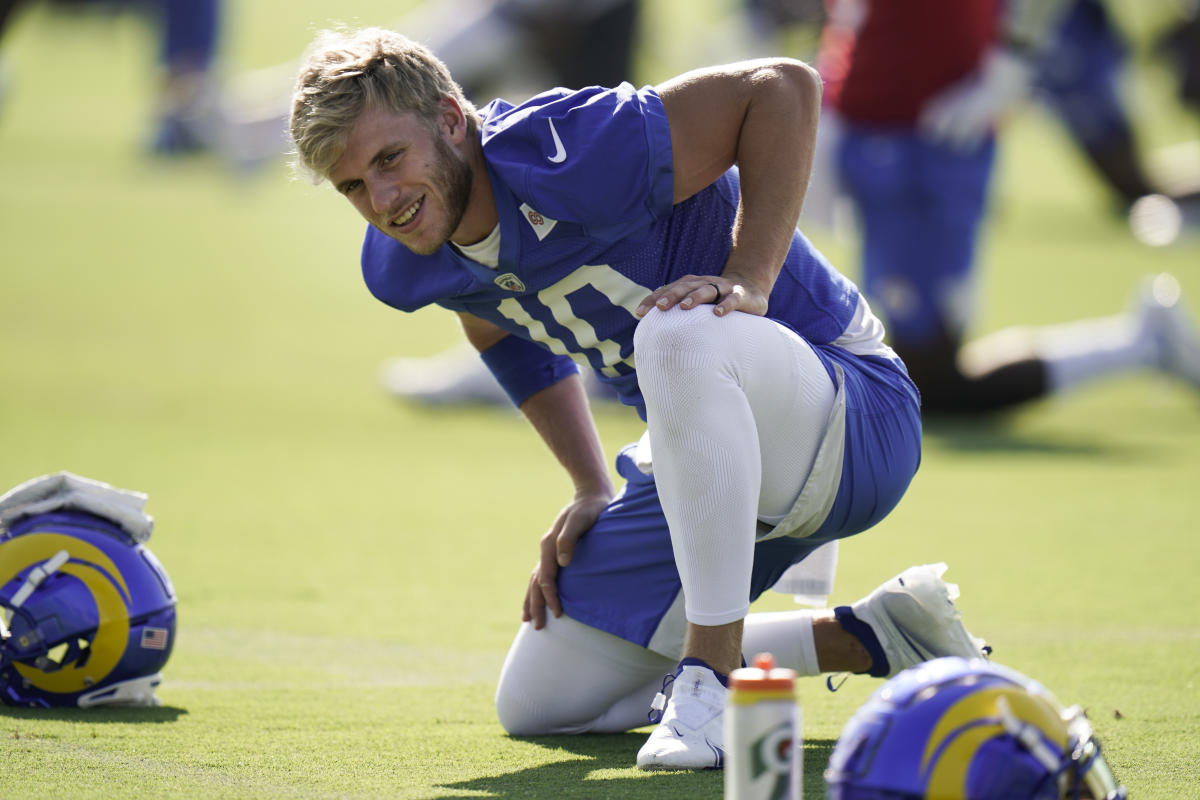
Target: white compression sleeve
[(1079, 352), (572, 678), (787, 635), (736, 409)]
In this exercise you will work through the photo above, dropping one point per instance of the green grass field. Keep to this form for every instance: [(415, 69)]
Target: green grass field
[(350, 568)]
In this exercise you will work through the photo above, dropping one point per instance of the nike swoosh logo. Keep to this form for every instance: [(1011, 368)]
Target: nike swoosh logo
[(560, 152), (718, 754)]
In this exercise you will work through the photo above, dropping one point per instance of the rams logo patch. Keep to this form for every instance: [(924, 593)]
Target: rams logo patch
[(538, 222)]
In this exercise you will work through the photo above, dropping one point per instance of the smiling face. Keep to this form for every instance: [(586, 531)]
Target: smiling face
[(406, 177)]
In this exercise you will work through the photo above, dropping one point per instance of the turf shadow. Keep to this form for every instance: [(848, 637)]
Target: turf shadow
[(996, 435), (568, 778), (92, 716)]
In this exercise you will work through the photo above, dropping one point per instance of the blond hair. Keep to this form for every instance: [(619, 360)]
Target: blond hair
[(346, 74)]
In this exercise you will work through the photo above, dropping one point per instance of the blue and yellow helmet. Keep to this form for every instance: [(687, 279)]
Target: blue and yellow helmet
[(87, 614), (967, 729)]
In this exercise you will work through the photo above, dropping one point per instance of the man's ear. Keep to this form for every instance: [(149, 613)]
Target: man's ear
[(452, 120)]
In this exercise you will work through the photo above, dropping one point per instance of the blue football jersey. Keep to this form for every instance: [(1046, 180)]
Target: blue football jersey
[(583, 185)]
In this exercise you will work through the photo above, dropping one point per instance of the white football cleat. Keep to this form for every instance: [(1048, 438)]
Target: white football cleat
[(914, 618), (456, 376), (690, 734), (1165, 318)]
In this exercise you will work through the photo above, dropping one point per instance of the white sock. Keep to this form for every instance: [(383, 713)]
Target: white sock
[(787, 635), (1079, 352)]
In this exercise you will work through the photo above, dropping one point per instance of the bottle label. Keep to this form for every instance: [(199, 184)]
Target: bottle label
[(771, 761)]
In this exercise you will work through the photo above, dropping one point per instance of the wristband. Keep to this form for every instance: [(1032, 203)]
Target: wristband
[(523, 368)]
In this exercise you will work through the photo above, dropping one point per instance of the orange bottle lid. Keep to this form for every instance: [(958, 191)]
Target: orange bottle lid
[(763, 676)]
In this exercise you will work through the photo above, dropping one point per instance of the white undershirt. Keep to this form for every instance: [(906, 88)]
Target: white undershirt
[(864, 334), (485, 251)]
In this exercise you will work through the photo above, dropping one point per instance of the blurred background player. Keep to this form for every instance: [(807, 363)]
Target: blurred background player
[(186, 109), (1179, 44), (966, 729), (1073, 58), (916, 105), (1079, 67), (517, 47), (508, 48)]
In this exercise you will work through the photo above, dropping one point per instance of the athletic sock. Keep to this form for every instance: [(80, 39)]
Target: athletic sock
[(787, 635), (1079, 352)]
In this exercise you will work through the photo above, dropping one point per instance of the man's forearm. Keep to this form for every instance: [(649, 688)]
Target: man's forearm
[(562, 417)]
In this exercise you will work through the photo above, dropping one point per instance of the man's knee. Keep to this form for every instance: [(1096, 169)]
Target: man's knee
[(517, 710), (674, 331)]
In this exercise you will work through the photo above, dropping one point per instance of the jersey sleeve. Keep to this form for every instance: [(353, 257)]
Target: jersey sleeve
[(405, 280), (600, 158)]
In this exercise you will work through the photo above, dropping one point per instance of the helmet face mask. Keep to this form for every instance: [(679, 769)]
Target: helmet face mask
[(1089, 774), (90, 613), (958, 728)]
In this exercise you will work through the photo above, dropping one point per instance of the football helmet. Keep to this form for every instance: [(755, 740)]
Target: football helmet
[(967, 729), (87, 613)]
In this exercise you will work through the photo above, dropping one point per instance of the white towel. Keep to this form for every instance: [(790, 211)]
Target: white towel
[(66, 491), (811, 581)]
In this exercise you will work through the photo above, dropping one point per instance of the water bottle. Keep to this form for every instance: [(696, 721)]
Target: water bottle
[(764, 747)]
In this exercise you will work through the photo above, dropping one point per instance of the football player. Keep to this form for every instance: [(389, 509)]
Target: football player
[(650, 234), (188, 36)]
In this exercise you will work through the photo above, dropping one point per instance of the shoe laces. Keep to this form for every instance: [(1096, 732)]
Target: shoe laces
[(659, 704)]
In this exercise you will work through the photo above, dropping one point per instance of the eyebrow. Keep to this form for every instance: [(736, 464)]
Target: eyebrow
[(386, 149)]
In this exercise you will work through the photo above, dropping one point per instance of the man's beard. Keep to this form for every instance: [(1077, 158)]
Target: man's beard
[(453, 175)]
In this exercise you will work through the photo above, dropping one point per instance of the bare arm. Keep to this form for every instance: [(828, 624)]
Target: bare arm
[(761, 115), (562, 417), (480, 333)]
